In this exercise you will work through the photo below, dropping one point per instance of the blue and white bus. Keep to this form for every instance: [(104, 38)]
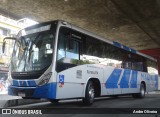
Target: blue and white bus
[(57, 60)]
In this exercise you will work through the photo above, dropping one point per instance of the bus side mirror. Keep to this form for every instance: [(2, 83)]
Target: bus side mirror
[(3, 46), (4, 42)]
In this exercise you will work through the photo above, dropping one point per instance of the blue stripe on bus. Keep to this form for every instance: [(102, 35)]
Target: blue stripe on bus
[(134, 79), (117, 44), (113, 79), (15, 83), (132, 50), (126, 48), (125, 79), (23, 83), (31, 83), (46, 91)]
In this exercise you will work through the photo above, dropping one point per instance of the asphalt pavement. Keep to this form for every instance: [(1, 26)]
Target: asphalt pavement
[(121, 105)]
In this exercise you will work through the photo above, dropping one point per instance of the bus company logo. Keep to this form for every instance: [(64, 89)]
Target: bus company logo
[(6, 111)]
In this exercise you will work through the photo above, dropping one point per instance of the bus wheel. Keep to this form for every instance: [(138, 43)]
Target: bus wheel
[(54, 101), (89, 94), (142, 92)]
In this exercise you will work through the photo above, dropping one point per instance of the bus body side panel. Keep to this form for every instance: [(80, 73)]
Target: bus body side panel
[(130, 81), (108, 86), (124, 81), (151, 81), (120, 81), (71, 83)]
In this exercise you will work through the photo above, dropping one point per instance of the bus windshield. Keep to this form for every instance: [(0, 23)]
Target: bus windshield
[(33, 51)]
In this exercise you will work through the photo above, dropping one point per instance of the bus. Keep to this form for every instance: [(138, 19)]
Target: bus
[(57, 60)]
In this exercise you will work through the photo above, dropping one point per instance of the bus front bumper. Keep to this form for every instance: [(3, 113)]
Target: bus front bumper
[(46, 91)]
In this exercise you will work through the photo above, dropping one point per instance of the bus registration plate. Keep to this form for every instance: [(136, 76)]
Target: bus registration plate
[(22, 94)]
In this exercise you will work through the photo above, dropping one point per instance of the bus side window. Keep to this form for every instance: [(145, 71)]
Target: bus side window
[(67, 55), (126, 65), (65, 50), (152, 67), (74, 52)]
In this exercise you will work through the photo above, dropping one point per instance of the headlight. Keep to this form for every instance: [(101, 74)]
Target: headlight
[(45, 79)]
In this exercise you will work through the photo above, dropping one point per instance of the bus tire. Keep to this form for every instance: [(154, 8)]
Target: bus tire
[(89, 94), (142, 92)]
